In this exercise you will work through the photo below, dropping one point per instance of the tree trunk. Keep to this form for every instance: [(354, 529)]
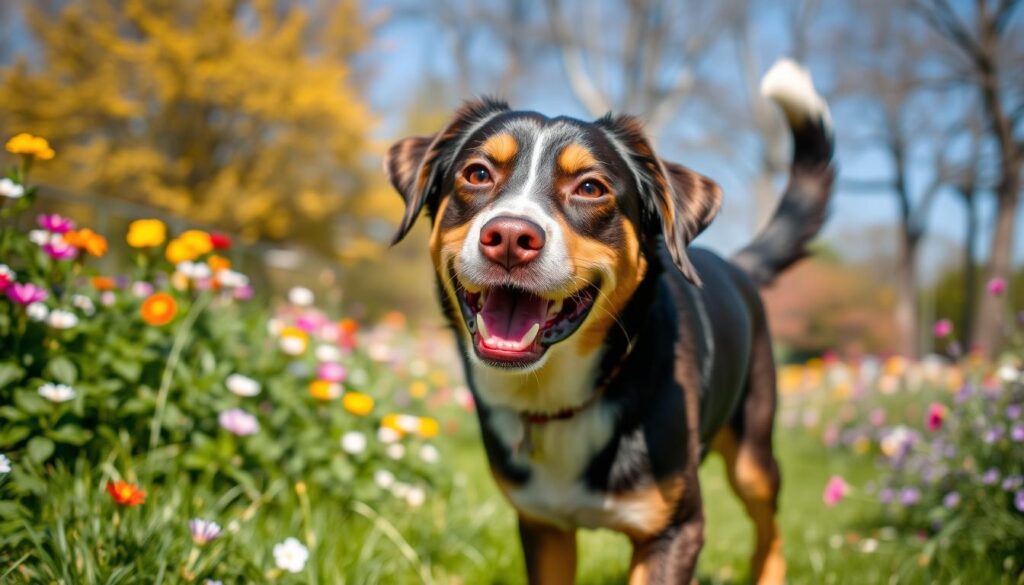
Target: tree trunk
[(988, 334), (970, 275), (906, 302)]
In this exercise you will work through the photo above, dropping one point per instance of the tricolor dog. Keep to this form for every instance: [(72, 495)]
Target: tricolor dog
[(607, 358)]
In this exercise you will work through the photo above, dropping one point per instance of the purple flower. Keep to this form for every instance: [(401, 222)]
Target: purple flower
[(25, 294), (910, 496), (243, 293), (239, 422), (58, 249), (1018, 501), (1012, 483), (55, 223), (952, 500), (1014, 411), (1017, 433), (990, 477), (203, 531), (885, 496), (992, 435)]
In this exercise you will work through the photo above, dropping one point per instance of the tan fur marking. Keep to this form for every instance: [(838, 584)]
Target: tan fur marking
[(657, 503), (554, 553), (500, 147), (575, 158)]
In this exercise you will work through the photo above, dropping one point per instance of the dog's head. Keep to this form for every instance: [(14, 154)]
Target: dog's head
[(544, 227)]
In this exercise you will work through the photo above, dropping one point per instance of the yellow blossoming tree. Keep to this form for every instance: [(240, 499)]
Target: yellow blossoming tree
[(244, 114)]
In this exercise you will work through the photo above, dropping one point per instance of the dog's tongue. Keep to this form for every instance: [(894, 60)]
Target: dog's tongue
[(509, 314)]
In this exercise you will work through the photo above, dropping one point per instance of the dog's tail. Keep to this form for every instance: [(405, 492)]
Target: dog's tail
[(804, 204)]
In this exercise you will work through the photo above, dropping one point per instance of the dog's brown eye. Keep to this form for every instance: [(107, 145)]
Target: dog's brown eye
[(591, 188), (477, 175)]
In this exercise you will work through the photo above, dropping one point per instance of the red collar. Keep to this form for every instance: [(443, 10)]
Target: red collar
[(539, 417)]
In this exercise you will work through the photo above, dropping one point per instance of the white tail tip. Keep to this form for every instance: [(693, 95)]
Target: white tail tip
[(790, 86)]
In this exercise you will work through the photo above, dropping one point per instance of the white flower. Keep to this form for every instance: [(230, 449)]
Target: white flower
[(84, 304), (108, 298), (328, 353), (41, 237), (57, 392), (240, 385), (292, 345), (275, 326), (353, 442), (400, 490), (430, 454), (396, 451), (5, 270), (291, 555), (415, 497), (388, 435), (300, 296), (61, 319), (5, 464), (1008, 373), (383, 478), (10, 189), (37, 311), (231, 278), (194, 270)]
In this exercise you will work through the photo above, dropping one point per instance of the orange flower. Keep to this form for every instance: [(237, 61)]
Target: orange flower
[(349, 326), (88, 240), (218, 263), (418, 389), (29, 145), (126, 494), (159, 309), (103, 283), (357, 403), (324, 390)]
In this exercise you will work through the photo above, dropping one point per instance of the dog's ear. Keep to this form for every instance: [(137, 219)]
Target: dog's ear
[(417, 166), (684, 201)]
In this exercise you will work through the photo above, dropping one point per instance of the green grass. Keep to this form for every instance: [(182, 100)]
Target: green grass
[(465, 534)]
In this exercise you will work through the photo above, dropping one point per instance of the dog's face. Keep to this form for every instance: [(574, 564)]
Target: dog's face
[(543, 227)]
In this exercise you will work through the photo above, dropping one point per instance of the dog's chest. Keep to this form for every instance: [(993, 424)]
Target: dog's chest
[(557, 454)]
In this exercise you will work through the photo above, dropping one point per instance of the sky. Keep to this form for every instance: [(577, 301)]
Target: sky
[(411, 49)]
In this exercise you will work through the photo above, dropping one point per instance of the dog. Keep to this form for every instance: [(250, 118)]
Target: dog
[(606, 356)]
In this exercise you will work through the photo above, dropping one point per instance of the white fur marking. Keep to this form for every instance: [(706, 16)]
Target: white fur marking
[(791, 86)]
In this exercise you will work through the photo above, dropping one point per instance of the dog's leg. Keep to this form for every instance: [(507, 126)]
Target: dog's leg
[(550, 553), (670, 558), (750, 463)]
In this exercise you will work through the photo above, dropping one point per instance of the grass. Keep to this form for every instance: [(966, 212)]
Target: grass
[(465, 534)]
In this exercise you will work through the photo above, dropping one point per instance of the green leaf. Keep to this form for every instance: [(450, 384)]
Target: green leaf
[(31, 402), (13, 434), (40, 449), (71, 434), (10, 373), (129, 370), (62, 370)]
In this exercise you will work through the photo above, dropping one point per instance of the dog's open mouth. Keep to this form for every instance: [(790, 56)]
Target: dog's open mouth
[(512, 327)]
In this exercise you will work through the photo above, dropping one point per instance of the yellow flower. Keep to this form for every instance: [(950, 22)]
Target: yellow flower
[(29, 145), (324, 390), (357, 403), (418, 389), (178, 252), (429, 428), (294, 341), (197, 240), (146, 233)]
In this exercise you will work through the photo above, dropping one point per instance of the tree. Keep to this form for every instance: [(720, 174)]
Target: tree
[(987, 55), (244, 114)]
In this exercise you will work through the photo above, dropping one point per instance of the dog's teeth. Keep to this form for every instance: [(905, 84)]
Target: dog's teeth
[(554, 308), (530, 336), (481, 327)]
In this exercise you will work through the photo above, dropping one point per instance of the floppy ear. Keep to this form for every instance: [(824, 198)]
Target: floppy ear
[(417, 166), (684, 201)]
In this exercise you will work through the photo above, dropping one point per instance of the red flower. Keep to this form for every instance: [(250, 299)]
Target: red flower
[(936, 416), (126, 494), (220, 241)]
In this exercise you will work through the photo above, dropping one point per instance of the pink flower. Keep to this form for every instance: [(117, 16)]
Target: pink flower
[(7, 276), (997, 286), (942, 328), (55, 223), (239, 422), (60, 250), (935, 417), (835, 490), (331, 372), (25, 294)]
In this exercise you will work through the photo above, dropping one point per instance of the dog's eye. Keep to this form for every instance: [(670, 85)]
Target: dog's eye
[(477, 175), (591, 188)]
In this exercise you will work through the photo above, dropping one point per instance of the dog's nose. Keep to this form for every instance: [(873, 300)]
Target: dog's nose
[(511, 241)]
